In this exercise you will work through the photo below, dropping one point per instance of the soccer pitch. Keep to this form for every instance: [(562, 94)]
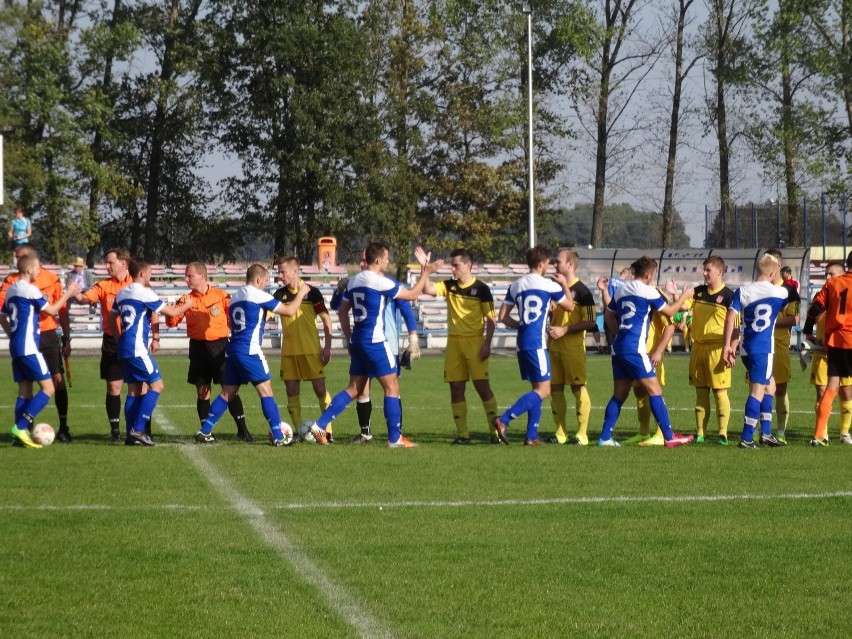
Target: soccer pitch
[(236, 540)]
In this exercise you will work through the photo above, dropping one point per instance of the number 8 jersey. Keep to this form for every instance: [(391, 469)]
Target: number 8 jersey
[(759, 304), (532, 294)]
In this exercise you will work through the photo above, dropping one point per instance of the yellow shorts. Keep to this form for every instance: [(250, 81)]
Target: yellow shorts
[(568, 367), (301, 367), (706, 368), (461, 359), (782, 372), (819, 371)]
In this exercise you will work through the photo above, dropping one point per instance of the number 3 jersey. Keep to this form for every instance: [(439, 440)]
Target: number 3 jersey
[(633, 303), (22, 306), (134, 305), (532, 294), (759, 304)]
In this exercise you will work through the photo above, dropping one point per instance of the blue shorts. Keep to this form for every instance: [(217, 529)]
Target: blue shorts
[(30, 368), (758, 367), (245, 369), (140, 369), (372, 360), (632, 366), (534, 365)]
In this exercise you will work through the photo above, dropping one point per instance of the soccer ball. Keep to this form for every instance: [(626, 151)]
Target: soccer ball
[(287, 431), (305, 433), (43, 434)]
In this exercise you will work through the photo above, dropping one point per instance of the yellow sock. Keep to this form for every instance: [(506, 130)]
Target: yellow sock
[(643, 410), (294, 407), (559, 408), (460, 418), (723, 411), (584, 408), (324, 402), (845, 416), (490, 406), (702, 410), (782, 410)]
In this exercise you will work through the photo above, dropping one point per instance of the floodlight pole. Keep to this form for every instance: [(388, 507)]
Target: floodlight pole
[(527, 9)]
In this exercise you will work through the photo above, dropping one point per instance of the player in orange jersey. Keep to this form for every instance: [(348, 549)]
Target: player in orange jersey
[(834, 301), (208, 330), (104, 292)]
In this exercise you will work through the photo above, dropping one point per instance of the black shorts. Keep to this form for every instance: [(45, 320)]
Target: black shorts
[(839, 362), (51, 350), (110, 365), (206, 361)]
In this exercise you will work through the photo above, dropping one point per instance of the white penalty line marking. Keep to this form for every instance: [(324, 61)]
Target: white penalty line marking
[(338, 598), (485, 503)]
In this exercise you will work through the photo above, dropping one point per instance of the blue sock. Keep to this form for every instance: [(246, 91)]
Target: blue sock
[(33, 408), (533, 417), (393, 416), (524, 404), (661, 414), (752, 415), (613, 410), (147, 404), (20, 407), (217, 409), (338, 404), (273, 416), (766, 414), (131, 411)]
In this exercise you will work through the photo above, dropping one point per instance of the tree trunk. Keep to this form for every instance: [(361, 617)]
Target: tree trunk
[(721, 113), (671, 162)]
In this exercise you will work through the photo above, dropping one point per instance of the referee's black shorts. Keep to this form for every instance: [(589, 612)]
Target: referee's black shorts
[(839, 362), (110, 365), (206, 361), (50, 345)]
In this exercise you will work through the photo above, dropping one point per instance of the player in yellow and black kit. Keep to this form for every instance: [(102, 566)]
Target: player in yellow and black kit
[(470, 310), (707, 370), (208, 330), (302, 358), (782, 370), (567, 346)]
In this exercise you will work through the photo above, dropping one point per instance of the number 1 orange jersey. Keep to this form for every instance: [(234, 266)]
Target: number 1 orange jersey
[(835, 299)]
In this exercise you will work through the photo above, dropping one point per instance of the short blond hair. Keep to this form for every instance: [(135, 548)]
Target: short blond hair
[(767, 264)]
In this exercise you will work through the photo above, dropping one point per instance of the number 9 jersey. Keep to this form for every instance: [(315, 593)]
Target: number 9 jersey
[(759, 304)]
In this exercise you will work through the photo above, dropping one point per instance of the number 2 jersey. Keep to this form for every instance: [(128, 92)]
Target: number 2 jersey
[(633, 303), (759, 304), (532, 294)]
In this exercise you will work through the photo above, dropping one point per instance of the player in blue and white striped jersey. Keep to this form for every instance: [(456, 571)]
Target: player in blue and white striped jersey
[(628, 316), (130, 319), (759, 304), (245, 362), (367, 295), (19, 318), (532, 294)]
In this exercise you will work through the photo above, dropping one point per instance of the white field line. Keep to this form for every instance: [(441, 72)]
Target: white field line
[(337, 597), (472, 503)]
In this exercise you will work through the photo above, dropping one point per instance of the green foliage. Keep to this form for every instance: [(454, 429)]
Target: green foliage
[(625, 227)]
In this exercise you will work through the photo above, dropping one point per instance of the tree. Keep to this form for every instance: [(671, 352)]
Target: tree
[(622, 59)]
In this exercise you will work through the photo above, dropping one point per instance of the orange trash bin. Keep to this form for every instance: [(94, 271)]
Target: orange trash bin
[(326, 252)]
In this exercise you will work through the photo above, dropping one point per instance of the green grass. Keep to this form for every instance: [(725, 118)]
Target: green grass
[(441, 541)]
